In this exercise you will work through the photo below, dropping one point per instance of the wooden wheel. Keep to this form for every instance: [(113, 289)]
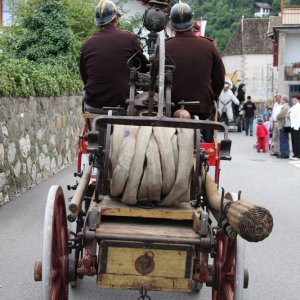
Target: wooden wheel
[(55, 247), (230, 276)]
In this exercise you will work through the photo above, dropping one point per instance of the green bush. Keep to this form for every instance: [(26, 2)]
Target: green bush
[(39, 55), (45, 33), (23, 78)]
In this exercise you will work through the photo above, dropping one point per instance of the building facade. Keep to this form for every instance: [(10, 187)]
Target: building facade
[(285, 35), (249, 54), (5, 12), (261, 9)]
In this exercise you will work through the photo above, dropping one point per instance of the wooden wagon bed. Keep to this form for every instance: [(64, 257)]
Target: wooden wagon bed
[(151, 248)]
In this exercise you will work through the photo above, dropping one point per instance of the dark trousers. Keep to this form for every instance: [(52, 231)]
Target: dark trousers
[(249, 125), (284, 143), (207, 134), (295, 135)]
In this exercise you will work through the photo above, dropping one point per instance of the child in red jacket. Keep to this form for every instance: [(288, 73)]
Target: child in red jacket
[(261, 133)]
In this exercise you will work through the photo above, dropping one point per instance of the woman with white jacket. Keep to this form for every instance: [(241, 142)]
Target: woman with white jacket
[(225, 100), (294, 115)]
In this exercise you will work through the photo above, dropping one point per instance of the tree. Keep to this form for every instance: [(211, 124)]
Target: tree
[(275, 7), (45, 33)]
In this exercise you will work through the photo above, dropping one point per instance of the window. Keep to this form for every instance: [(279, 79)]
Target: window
[(294, 89), (5, 13)]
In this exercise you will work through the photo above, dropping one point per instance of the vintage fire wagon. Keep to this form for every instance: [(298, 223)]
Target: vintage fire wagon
[(147, 213)]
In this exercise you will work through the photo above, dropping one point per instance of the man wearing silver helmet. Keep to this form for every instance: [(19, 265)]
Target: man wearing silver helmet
[(103, 60), (199, 74)]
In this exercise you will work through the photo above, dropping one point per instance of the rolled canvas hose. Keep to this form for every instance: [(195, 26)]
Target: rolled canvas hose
[(153, 171), (151, 164), (180, 191), (115, 144), (163, 137), (137, 166), (121, 172)]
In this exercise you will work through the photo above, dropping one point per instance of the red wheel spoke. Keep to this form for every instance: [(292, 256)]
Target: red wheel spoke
[(225, 268), (224, 252), (227, 291), (230, 259), (214, 294)]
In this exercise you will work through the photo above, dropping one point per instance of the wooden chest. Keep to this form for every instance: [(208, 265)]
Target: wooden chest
[(160, 266), (132, 265)]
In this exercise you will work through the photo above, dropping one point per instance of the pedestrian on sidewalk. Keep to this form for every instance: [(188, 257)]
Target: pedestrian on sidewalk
[(226, 99), (284, 147), (249, 111), (261, 133), (275, 131), (294, 115), (267, 124)]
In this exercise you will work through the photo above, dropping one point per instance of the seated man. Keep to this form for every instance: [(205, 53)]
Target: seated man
[(103, 60), (200, 73)]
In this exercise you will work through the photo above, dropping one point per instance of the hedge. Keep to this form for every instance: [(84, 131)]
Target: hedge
[(23, 78)]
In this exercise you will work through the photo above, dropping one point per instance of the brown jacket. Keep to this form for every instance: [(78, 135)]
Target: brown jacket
[(281, 115), (199, 74), (103, 66)]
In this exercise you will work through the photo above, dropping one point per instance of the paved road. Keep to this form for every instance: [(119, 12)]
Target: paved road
[(273, 264)]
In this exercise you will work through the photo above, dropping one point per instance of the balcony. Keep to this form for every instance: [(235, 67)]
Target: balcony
[(290, 12), (291, 16), (292, 72)]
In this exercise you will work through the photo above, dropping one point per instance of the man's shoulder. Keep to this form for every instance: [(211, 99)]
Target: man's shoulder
[(192, 40), (206, 38), (126, 33), (170, 39)]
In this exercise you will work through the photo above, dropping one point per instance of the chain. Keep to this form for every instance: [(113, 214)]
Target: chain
[(144, 296)]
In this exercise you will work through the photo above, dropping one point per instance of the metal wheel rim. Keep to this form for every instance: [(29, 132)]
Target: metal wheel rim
[(240, 270), (55, 247)]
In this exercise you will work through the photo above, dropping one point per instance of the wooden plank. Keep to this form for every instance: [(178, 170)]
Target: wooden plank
[(151, 283), (167, 263), (90, 115), (111, 207), (196, 221), (148, 230)]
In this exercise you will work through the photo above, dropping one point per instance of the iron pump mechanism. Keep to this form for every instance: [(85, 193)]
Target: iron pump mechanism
[(155, 19), (159, 79)]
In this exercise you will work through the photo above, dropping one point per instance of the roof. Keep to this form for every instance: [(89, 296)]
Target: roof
[(273, 21), (285, 28), (253, 39), (262, 5)]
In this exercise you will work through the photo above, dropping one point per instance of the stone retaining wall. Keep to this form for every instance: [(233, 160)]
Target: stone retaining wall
[(38, 137)]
